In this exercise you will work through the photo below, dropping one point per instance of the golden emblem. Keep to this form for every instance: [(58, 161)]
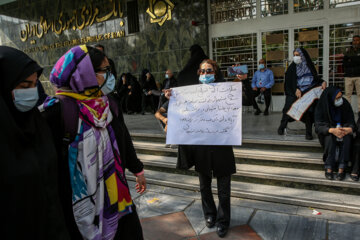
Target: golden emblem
[(160, 11)]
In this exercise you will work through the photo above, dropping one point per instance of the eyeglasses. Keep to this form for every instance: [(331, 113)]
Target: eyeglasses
[(209, 70)]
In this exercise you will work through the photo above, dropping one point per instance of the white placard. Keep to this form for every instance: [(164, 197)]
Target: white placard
[(300, 106), (205, 114)]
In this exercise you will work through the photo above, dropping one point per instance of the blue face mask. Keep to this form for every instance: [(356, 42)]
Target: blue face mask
[(25, 99), (207, 78), (261, 66), (109, 85), (166, 76)]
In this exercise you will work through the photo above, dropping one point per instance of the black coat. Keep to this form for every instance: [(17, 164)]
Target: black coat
[(53, 116), (210, 160), (291, 84), (31, 206), (323, 118)]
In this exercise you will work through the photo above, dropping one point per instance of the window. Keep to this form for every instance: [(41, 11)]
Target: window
[(275, 48), (273, 7), (228, 51), (133, 16), (340, 40), (229, 11), (308, 5), (312, 40), (343, 3)]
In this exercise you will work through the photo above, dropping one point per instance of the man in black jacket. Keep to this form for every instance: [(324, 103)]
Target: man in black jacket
[(351, 63)]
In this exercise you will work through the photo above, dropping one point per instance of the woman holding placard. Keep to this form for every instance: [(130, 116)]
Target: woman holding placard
[(217, 161)]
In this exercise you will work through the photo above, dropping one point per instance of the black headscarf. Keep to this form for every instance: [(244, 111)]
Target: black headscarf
[(327, 114), (291, 77), (28, 162), (147, 85), (189, 76)]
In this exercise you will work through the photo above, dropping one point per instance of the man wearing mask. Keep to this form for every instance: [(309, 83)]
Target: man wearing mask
[(262, 82), (351, 63)]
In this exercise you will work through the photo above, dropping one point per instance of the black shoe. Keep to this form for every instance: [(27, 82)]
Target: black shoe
[(142, 113), (340, 176), (257, 112), (354, 177), (309, 137), (221, 230), (281, 130), (329, 175), (266, 112), (210, 222)]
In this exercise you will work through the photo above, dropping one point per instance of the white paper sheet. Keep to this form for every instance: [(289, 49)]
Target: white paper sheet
[(302, 104), (205, 114)]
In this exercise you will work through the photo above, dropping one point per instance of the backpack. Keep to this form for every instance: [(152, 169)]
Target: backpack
[(69, 109)]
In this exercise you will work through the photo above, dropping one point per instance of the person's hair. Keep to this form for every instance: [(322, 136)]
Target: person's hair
[(356, 36), (212, 63), (100, 46), (262, 59), (96, 56)]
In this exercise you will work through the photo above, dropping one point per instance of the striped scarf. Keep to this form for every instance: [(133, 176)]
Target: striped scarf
[(100, 193)]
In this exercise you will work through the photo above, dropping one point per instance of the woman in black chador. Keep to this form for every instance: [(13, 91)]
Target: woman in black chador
[(334, 124), (300, 77), (189, 74), (148, 86), (31, 208), (217, 161)]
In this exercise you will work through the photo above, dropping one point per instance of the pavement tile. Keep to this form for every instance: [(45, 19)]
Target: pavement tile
[(173, 226), (153, 204), (270, 225), (343, 231), (300, 228), (174, 191), (330, 215), (243, 232), (269, 206)]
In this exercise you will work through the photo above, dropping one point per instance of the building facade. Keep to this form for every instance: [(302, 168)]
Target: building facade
[(157, 34)]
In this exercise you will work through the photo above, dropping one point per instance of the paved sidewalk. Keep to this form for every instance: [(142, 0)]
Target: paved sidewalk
[(171, 214)]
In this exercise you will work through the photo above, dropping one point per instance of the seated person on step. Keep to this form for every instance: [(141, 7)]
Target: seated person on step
[(356, 154), (334, 124), (300, 77)]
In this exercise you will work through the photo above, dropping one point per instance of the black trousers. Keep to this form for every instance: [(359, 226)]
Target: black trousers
[(222, 214), (308, 119), (330, 145), (267, 96), (356, 157), (144, 102), (129, 227)]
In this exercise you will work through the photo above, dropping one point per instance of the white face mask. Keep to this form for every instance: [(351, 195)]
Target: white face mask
[(297, 59), (338, 102), (25, 99)]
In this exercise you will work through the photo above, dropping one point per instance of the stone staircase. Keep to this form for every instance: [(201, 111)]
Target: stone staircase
[(269, 170)]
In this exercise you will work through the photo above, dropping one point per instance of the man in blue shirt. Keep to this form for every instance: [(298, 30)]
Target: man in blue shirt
[(262, 82)]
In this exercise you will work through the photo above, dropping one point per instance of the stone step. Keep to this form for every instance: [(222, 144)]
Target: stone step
[(251, 155), (308, 146), (293, 196), (313, 179)]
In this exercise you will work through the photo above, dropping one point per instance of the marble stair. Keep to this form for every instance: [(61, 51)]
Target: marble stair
[(267, 170)]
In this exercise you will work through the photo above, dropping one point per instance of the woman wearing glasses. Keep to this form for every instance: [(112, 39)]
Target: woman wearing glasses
[(94, 148), (217, 161)]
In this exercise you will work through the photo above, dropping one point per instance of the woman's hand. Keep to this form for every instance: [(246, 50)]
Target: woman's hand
[(140, 183), (338, 132), (323, 85), (298, 93), (241, 77), (168, 93), (347, 130), (129, 87), (165, 120)]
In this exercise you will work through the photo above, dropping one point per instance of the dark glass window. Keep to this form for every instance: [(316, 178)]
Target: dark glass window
[(133, 16)]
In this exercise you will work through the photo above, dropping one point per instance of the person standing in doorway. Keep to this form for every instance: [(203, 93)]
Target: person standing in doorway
[(262, 82), (351, 63)]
